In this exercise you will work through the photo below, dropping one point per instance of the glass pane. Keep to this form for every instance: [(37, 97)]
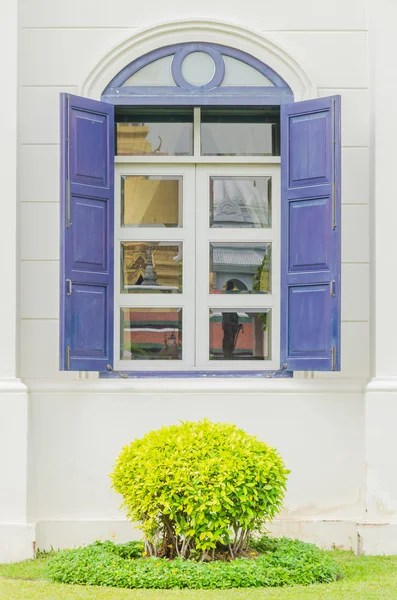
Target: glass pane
[(240, 202), (156, 73), (160, 132), (239, 73), (240, 268), (254, 132), (151, 334), (151, 201), (240, 335), (151, 267), (198, 68)]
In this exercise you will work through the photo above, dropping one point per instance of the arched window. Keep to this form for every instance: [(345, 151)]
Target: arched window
[(200, 220), (197, 74)]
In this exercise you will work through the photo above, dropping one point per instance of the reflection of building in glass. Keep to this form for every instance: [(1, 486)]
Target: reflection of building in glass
[(159, 138), (170, 348), (239, 336), (150, 200), (147, 268), (149, 334), (149, 275), (242, 265), (131, 138), (240, 202)]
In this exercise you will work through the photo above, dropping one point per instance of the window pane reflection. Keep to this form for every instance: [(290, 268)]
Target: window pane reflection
[(239, 334), (231, 132), (151, 201), (240, 202), (151, 334), (151, 267), (156, 132), (240, 268)]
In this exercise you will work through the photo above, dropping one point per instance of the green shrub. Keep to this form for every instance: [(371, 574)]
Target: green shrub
[(289, 562), (199, 488), (127, 550)]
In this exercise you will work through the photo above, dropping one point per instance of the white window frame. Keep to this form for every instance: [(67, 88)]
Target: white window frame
[(195, 300)]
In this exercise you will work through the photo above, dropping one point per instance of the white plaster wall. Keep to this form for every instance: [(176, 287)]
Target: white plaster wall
[(15, 535), (77, 434), (381, 396), (72, 464), (78, 426), (8, 205)]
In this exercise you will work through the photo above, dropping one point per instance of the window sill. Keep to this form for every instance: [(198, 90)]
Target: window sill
[(196, 374), (165, 386)]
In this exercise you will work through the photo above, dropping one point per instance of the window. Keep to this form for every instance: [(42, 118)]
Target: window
[(197, 240), (185, 245)]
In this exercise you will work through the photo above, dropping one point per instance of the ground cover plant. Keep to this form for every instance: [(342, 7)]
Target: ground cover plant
[(273, 562), (199, 490), (365, 578)]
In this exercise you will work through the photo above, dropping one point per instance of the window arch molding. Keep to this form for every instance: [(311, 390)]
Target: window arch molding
[(195, 32)]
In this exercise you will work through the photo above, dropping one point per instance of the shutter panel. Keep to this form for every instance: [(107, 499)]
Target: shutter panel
[(87, 199), (311, 233)]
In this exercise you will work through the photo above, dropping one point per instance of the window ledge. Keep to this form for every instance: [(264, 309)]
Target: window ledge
[(167, 386), (195, 374)]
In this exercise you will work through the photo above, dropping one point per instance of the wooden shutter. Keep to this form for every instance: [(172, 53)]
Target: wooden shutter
[(87, 198), (311, 234)]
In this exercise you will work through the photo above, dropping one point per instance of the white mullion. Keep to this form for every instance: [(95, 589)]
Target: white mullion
[(202, 266), (251, 301), (249, 236), (151, 300), (142, 234), (197, 159), (196, 133)]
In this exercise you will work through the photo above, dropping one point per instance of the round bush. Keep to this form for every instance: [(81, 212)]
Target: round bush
[(199, 488), (282, 562)]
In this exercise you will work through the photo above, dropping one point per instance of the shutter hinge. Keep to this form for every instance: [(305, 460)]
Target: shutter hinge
[(332, 288), (70, 287), (333, 358), (279, 372), (68, 358), (111, 370)]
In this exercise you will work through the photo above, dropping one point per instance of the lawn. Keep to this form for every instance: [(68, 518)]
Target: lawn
[(366, 578)]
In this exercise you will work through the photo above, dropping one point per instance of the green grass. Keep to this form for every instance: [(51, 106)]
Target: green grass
[(366, 578)]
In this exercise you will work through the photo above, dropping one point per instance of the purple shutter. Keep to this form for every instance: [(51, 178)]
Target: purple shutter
[(311, 233), (87, 198)]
